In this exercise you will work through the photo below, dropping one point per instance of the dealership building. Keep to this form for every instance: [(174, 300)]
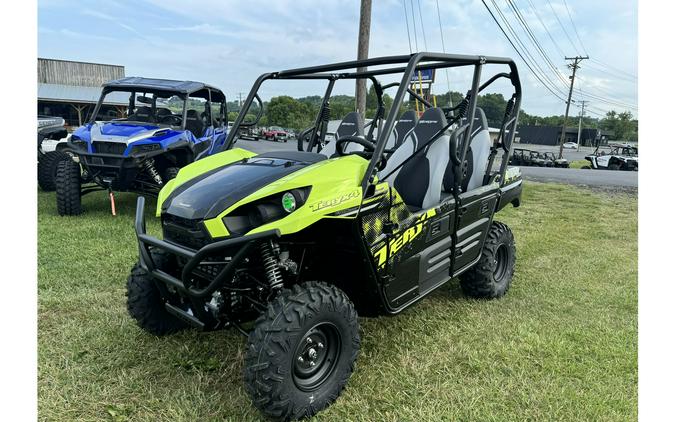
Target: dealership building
[(71, 89), (550, 135)]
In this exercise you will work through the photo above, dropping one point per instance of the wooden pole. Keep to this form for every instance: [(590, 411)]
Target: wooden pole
[(362, 54)]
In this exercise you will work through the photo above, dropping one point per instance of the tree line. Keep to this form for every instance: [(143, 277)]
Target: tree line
[(299, 113)]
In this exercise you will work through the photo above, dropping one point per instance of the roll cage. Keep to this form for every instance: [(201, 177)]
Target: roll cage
[(164, 88), (408, 66)]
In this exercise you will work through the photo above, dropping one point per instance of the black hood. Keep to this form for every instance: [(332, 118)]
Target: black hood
[(211, 193)]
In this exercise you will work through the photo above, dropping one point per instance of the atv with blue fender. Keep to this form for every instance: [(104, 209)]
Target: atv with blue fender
[(139, 148), (287, 246)]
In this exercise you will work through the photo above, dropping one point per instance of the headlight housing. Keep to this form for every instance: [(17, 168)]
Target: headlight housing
[(145, 148), (78, 143), (265, 210)]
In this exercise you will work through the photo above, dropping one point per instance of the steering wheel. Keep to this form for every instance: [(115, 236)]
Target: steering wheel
[(368, 146), (172, 119)]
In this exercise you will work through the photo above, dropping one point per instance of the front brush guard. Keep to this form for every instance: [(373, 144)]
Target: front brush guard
[(195, 257)]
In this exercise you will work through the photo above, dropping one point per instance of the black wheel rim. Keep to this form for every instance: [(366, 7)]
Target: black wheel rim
[(501, 262), (316, 356)]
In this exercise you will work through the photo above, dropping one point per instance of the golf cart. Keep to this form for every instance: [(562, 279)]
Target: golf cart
[(51, 133), (166, 125), (613, 157), (287, 246)]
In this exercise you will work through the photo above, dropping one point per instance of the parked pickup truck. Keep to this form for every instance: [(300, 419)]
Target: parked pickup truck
[(275, 133)]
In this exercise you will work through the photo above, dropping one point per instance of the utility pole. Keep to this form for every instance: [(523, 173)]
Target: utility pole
[(574, 67), (581, 117), (240, 94), (362, 54)]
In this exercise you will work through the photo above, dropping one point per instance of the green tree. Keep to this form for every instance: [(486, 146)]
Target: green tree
[(623, 125), (288, 112)]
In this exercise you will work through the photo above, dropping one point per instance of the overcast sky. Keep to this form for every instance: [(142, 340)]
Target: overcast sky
[(228, 43)]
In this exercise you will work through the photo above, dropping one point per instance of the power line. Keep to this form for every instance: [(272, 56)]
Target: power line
[(609, 95), (536, 75), (424, 33), (605, 65), (412, 11), (525, 50), (541, 21), (561, 25), (440, 27), (534, 39), (575, 27), (407, 27)]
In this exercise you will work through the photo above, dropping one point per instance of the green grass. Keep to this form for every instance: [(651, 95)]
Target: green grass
[(577, 164), (560, 346)]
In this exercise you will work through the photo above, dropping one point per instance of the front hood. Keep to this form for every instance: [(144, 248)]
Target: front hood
[(123, 132), (206, 196)]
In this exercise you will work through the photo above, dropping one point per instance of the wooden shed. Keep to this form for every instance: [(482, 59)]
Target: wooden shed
[(70, 89)]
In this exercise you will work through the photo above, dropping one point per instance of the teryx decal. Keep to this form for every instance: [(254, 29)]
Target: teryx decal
[(317, 206), (402, 238)]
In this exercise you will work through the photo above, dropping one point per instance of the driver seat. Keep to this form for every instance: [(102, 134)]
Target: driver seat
[(351, 125), (194, 123), (142, 114)]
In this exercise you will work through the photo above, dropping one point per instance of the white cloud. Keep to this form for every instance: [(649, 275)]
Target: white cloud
[(229, 43)]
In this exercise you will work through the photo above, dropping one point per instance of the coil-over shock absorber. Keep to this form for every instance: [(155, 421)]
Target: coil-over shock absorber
[(269, 252), (149, 166)]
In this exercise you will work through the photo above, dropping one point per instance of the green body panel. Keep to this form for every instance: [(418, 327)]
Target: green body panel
[(198, 168), (335, 187)]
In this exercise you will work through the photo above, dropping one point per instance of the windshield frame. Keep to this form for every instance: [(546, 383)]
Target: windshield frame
[(133, 92)]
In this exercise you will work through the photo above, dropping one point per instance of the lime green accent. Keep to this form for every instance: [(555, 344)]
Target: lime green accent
[(288, 202), (200, 167), (216, 229), (336, 185)]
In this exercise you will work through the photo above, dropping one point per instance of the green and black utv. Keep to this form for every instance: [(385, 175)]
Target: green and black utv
[(287, 246)]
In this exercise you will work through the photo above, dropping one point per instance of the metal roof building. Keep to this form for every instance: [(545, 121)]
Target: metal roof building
[(70, 89)]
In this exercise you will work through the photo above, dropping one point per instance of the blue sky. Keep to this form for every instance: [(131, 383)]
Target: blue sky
[(228, 43)]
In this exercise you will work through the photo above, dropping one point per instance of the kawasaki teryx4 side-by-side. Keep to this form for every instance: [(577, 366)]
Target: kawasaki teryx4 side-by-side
[(287, 246), (166, 125)]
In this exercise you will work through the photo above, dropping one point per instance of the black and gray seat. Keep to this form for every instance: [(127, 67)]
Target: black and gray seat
[(420, 180), (480, 148), (477, 156), (142, 114), (351, 125), (194, 123), (403, 127)]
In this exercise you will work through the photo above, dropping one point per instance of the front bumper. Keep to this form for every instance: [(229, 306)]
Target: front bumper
[(122, 171), (194, 257)]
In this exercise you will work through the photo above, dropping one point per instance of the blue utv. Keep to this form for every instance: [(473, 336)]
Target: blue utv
[(138, 148)]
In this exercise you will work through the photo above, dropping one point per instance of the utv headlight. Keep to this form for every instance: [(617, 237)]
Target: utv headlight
[(78, 143), (265, 210), (145, 148), (288, 202)]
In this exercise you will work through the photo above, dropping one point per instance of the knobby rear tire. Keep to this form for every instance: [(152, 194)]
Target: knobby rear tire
[(491, 277)]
